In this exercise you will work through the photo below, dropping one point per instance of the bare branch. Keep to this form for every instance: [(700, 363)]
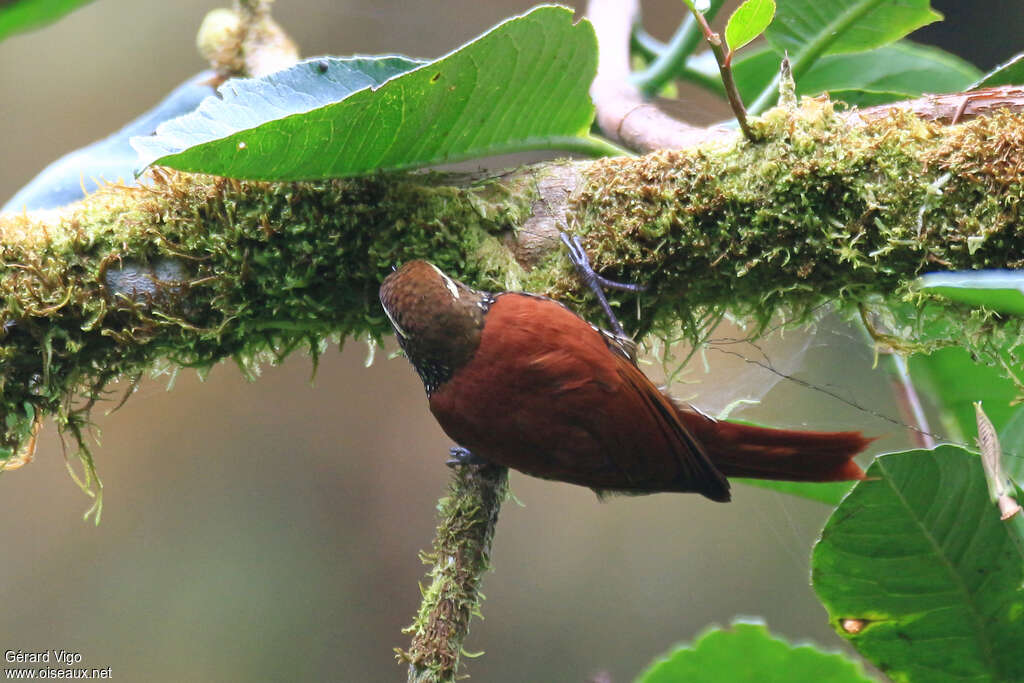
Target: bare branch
[(622, 112), (952, 107)]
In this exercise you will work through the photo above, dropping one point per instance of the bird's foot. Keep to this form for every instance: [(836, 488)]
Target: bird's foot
[(579, 259), (462, 457)]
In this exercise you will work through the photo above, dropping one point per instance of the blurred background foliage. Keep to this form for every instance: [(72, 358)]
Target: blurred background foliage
[(269, 530)]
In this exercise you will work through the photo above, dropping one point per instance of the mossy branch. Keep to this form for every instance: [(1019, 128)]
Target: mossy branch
[(460, 557), (194, 269)]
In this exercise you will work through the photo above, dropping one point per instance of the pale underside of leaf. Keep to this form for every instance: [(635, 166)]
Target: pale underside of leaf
[(523, 85)]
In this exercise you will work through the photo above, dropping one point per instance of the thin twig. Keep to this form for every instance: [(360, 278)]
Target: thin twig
[(670, 61), (725, 68), (910, 402), (665, 66)]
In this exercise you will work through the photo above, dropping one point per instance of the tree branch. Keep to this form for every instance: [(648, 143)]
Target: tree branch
[(461, 555), (195, 269), (622, 112)]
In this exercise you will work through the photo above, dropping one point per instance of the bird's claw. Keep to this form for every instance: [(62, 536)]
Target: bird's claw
[(579, 259), (462, 457)]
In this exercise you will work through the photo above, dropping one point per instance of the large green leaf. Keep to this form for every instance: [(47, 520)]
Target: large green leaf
[(1008, 73), (821, 27), (24, 15), (807, 30), (898, 71), (266, 111), (904, 67), (522, 85), (952, 380), (918, 572), (829, 493), (996, 290), (748, 652)]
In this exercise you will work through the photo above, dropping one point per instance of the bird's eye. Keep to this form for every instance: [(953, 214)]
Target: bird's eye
[(448, 282)]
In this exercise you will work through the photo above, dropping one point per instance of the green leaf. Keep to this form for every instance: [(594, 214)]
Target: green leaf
[(809, 29), (996, 290), (748, 652), (1008, 73), (1011, 437), (830, 27), (918, 556), (829, 493), (904, 67), (954, 381), (280, 99), (748, 22), (898, 71), (491, 96), (25, 15)]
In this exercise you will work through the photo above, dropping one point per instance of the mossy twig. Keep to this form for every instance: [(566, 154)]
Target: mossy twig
[(461, 555)]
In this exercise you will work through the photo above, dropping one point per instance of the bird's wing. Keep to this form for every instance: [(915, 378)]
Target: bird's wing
[(567, 406), (696, 471)]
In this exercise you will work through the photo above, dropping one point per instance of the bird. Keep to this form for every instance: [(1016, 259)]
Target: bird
[(518, 379)]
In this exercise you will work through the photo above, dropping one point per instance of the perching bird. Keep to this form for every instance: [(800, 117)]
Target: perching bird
[(519, 380)]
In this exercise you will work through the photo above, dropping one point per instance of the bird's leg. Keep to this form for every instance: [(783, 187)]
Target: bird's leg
[(595, 282), (463, 456)]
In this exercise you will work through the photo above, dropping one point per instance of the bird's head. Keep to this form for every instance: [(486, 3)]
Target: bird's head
[(438, 320)]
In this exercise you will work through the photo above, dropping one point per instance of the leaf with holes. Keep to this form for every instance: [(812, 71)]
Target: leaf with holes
[(920, 575)]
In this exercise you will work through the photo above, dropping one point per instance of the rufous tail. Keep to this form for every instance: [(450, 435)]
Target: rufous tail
[(740, 450)]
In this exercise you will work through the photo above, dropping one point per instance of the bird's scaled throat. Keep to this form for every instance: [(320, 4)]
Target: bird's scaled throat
[(438, 346)]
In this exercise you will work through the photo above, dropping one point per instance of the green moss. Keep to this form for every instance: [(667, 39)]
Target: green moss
[(460, 557), (818, 211), (195, 270)]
